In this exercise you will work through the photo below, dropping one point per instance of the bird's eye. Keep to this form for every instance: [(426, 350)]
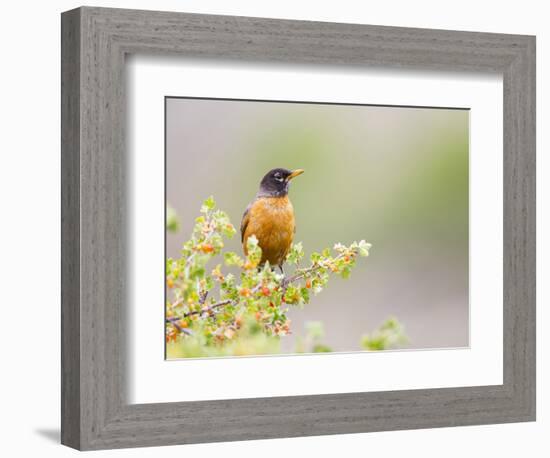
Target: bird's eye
[(278, 177)]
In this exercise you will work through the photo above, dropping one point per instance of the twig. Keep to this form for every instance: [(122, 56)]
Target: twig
[(256, 288), (206, 237), (316, 266), (178, 302), (208, 308), (174, 322)]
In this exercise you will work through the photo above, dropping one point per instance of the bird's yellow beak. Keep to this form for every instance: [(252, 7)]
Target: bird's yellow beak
[(294, 174)]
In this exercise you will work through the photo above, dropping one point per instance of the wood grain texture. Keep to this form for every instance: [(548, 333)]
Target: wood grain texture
[(70, 229), (95, 411)]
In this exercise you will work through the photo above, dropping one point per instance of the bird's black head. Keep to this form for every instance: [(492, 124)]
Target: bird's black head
[(275, 182)]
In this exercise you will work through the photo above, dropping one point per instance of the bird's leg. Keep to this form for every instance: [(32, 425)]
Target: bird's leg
[(285, 279)]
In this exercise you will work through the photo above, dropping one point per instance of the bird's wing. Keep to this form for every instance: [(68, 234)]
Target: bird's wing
[(244, 221)]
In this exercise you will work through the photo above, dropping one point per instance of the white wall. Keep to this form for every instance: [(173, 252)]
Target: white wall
[(29, 241)]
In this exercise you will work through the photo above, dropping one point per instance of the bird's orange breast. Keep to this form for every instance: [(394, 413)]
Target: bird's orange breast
[(271, 220)]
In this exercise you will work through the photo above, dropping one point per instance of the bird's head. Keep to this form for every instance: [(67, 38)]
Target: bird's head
[(275, 183)]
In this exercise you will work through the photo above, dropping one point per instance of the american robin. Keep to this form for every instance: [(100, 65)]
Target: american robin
[(270, 217)]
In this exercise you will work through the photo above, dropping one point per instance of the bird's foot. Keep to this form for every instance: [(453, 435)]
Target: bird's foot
[(284, 283)]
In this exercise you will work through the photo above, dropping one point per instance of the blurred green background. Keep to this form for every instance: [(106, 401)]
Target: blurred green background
[(394, 176)]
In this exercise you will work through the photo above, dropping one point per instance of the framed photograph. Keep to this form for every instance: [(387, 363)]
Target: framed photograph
[(279, 228), (283, 304)]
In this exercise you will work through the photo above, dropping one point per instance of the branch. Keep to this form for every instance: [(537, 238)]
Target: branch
[(303, 272), (174, 322), (208, 308), (206, 237)]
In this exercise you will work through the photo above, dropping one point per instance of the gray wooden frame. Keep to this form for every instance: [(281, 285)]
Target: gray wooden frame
[(95, 41)]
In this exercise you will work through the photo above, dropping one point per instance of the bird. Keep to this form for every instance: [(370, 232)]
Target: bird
[(270, 217)]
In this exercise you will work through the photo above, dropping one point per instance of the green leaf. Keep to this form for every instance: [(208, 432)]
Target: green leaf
[(315, 329), (232, 259), (305, 294), (345, 272), (296, 253), (209, 283), (208, 205), (364, 248), (388, 335), (172, 219), (315, 257), (254, 250), (321, 348)]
